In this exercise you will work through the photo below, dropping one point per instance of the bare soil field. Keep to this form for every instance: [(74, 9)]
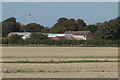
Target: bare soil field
[(59, 51), (65, 70), (59, 70)]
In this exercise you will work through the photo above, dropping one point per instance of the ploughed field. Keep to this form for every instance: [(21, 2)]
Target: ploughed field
[(59, 62)]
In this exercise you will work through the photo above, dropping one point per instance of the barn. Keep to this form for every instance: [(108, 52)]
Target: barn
[(68, 35), (80, 35), (23, 34)]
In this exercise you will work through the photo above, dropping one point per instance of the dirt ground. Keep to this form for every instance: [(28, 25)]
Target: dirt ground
[(59, 70), (59, 51)]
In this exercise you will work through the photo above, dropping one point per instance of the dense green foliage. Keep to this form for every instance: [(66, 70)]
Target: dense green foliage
[(106, 33), (109, 30), (70, 43), (35, 38), (91, 28), (10, 25), (33, 27), (15, 39), (64, 24)]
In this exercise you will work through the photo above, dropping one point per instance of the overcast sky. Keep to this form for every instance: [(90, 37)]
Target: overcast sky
[(47, 13)]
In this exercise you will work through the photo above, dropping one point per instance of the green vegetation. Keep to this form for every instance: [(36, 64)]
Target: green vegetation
[(63, 43), (10, 25), (77, 61), (109, 30), (15, 39), (92, 28), (106, 34), (64, 24), (32, 27)]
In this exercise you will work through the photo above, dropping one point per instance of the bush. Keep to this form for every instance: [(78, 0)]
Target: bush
[(15, 39), (5, 41)]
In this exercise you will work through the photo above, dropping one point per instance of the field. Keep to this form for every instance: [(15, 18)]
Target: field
[(59, 62)]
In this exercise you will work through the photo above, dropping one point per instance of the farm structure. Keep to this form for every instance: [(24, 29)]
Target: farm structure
[(23, 34), (71, 35), (80, 35), (59, 38), (68, 35)]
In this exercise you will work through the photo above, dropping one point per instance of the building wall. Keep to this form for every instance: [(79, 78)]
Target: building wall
[(59, 38), (78, 37)]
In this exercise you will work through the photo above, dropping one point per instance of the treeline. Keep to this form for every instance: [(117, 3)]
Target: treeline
[(105, 34), (62, 25), (106, 30), (11, 25)]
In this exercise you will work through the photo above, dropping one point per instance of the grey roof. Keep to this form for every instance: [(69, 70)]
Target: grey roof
[(18, 33), (84, 33)]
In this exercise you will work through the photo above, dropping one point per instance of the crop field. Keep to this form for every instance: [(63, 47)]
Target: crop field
[(59, 62)]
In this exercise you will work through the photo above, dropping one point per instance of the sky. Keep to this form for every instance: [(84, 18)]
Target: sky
[(47, 13), (119, 9)]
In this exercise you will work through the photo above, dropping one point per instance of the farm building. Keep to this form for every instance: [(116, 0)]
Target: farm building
[(71, 35), (80, 35), (51, 35), (68, 35), (3, 38), (59, 38), (23, 34)]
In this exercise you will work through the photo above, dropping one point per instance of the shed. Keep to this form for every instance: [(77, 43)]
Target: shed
[(80, 35)]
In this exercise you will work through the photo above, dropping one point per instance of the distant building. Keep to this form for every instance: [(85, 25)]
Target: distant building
[(80, 35), (23, 34), (68, 35), (59, 38), (71, 35), (3, 38), (52, 35)]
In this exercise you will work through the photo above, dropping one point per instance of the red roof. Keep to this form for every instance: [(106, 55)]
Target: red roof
[(3, 38)]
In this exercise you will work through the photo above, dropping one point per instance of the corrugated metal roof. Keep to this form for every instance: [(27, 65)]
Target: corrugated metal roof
[(23, 34), (53, 35), (19, 33)]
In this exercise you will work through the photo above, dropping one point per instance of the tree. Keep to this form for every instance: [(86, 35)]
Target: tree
[(38, 36), (109, 30), (80, 24), (61, 20), (46, 30), (23, 28), (64, 24), (33, 27), (10, 25), (92, 28), (15, 39)]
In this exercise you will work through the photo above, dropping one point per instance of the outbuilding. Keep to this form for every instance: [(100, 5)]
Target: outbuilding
[(23, 34), (80, 35)]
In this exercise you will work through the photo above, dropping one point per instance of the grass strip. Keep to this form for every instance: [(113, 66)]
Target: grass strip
[(60, 57), (78, 61)]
